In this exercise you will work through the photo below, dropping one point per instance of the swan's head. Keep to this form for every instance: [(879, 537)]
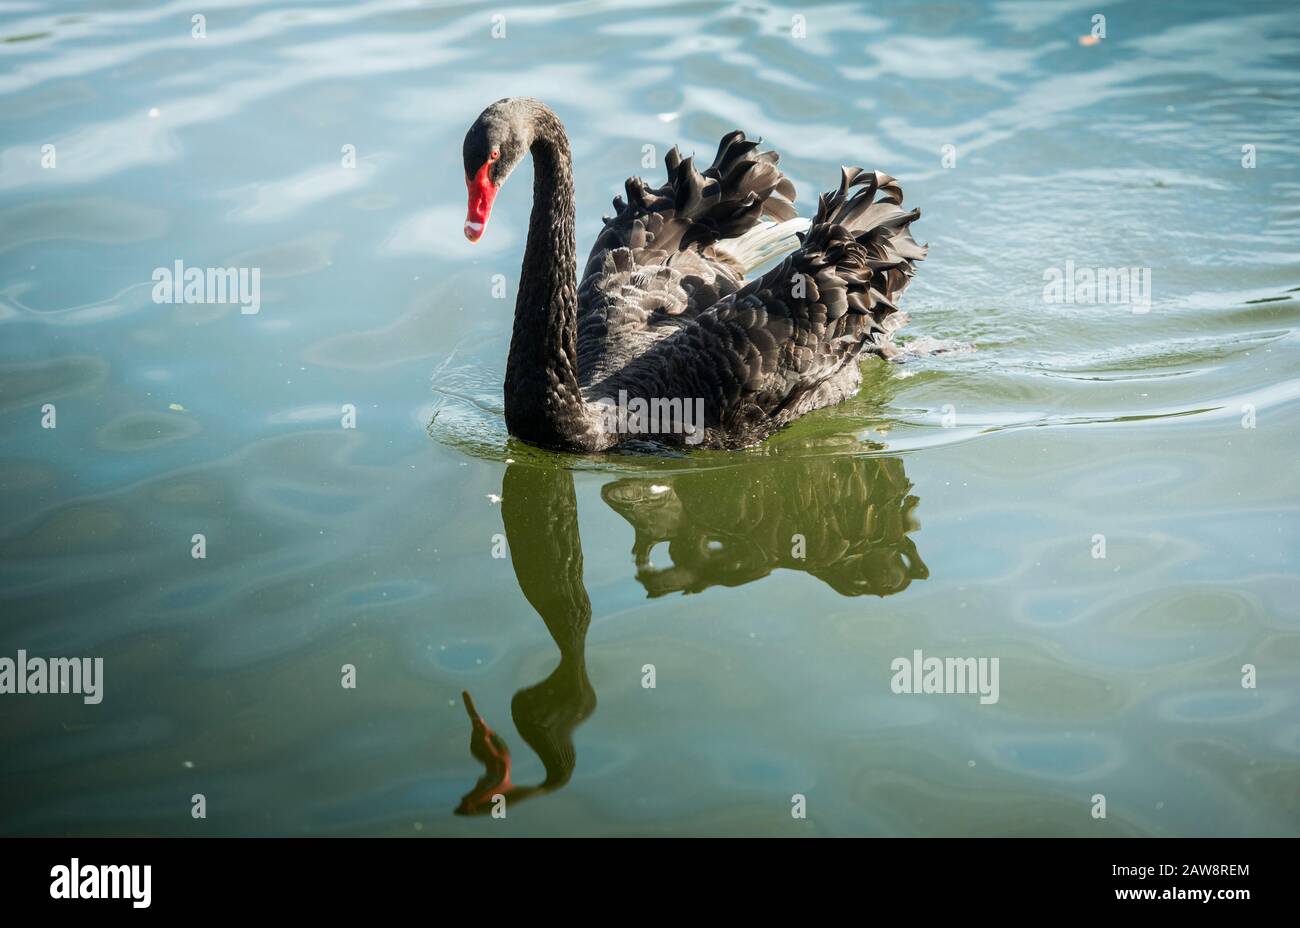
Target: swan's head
[(493, 146)]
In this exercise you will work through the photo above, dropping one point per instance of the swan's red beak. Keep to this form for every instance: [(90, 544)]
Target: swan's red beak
[(481, 194)]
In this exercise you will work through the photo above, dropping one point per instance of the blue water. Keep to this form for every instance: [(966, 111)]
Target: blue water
[(951, 507)]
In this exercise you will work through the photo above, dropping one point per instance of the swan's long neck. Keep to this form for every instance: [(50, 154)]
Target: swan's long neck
[(543, 402)]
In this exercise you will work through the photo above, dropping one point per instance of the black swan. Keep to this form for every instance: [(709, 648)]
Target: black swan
[(663, 339)]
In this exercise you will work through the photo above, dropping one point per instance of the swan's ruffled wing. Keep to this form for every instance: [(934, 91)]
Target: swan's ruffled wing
[(788, 342), (654, 264)]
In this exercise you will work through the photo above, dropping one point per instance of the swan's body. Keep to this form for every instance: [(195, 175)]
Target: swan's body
[(663, 316)]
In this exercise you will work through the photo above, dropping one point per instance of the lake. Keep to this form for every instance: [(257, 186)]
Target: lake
[(297, 536)]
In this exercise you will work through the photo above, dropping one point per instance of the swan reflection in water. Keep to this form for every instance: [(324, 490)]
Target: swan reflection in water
[(849, 518)]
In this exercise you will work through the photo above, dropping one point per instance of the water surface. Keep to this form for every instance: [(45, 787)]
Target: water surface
[(952, 507)]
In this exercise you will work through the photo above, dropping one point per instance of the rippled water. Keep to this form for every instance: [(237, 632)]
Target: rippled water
[(952, 507)]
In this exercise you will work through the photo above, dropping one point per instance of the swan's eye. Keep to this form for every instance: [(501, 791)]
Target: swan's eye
[(494, 156)]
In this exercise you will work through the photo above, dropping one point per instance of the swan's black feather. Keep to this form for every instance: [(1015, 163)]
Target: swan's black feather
[(654, 264), (789, 341)]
